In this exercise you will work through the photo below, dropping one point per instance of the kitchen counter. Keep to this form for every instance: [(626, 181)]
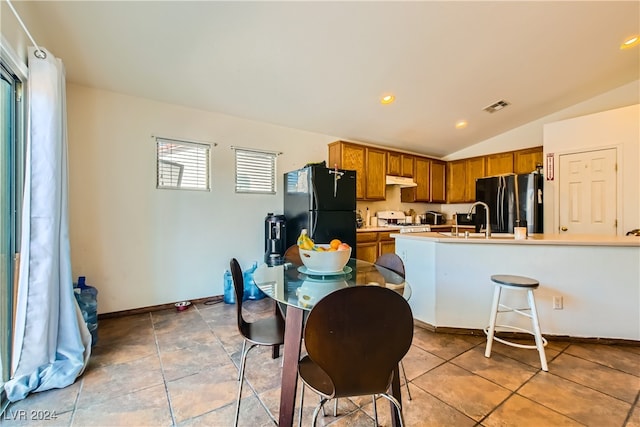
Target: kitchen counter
[(596, 277), (432, 227), (533, 239)]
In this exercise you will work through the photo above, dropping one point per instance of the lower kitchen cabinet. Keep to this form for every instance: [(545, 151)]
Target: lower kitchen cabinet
[(371, 244)]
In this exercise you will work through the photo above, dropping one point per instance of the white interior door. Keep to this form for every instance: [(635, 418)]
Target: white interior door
[(588, 192)]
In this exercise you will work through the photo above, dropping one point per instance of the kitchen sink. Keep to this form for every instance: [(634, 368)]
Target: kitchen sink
[(461, 235)]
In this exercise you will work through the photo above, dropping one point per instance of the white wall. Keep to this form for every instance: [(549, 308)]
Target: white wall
[(141, 246), (619, 128)]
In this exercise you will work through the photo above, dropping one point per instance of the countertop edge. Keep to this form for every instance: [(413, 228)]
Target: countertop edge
[(535, 239)]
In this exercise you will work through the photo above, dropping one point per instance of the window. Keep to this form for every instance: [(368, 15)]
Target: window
[(182, 165), (255, 171)]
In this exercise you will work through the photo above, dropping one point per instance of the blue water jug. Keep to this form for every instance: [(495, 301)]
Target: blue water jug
[(229, 296), (87, 297), (251, 291)]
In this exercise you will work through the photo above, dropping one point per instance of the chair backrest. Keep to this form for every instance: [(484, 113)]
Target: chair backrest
[(292, 254), (392, 262), (238, 285), (358, 335)]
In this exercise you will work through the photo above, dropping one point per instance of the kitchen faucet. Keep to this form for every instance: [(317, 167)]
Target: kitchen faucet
[(486, 212)]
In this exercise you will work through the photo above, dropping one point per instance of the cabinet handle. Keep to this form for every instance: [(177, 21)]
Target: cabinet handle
[(563, 228)]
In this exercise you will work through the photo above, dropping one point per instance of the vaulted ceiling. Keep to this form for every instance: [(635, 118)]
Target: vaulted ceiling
[(322, 66)]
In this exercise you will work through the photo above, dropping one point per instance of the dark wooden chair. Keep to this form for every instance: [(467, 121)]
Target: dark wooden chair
[(355, 337), (292, 254), (394, 263), (265, 332)]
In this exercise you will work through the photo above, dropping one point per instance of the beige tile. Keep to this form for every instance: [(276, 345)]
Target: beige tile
[(499, 369), (184, 337), (422, 410), (123, 350), (148, 407), (123, 329), (107, 382), (602, 378), (201, 393), (418, 361), (470, 394), (445, 346), (530, 357), (191, 360), (252, 414), (617, 357), (576, 401), (634, 417), (522, 412)]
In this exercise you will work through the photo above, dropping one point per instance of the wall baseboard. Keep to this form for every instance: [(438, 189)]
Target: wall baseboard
[(211, 300)]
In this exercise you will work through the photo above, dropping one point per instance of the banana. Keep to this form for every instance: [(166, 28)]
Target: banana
[(304, 241)]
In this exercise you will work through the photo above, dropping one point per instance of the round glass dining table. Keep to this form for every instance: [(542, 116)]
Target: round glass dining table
[(300, 289)]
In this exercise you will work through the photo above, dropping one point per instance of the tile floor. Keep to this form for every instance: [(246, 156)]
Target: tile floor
[(170, 368)]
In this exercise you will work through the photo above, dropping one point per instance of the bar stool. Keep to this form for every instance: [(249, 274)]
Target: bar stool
[(518, 283)]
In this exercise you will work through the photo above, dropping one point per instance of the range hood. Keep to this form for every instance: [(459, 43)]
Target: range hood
[(402, 181)]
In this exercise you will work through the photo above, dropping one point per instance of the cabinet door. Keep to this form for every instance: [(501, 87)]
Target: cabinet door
[(353, 157), (367, 251), (387, 247), (394, 163), (376, 167), (499, 163), (475, 170), (438, 181), (456, 181), (525, 161), (423, 167), (407, 166)]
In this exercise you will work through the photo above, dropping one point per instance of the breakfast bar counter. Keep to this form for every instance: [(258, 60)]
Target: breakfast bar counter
[(595, 280)]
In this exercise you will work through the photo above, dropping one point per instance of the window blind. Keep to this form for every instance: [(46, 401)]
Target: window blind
[(182, 165), (255, 171)]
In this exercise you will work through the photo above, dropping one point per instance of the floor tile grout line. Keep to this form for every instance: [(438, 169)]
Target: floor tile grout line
[(164, 378), (634, 406)]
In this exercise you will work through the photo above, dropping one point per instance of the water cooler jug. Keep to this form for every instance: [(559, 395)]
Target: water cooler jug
[(275, 234)]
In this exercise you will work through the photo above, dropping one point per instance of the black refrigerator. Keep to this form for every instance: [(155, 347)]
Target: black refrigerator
[(323, 201), (511, 198)]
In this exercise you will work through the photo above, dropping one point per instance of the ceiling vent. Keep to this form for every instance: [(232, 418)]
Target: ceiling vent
[(496, 106)]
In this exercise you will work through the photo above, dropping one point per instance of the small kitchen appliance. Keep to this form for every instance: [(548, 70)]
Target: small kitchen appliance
[(434, 218), (275, 235)]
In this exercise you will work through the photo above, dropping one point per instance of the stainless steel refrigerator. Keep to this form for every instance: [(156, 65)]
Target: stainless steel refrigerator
[(323, 201), (511, 198)]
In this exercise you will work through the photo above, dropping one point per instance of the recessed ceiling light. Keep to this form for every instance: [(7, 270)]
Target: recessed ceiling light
[(387, 99), (461, 124), (630, 42)]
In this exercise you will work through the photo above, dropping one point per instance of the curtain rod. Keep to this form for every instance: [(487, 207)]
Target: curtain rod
[(39, 53)]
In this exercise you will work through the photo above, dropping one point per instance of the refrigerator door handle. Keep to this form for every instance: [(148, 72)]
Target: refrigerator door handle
[(313, 223)]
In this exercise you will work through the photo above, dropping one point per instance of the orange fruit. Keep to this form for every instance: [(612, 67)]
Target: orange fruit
[(335, 243), (344, 247)]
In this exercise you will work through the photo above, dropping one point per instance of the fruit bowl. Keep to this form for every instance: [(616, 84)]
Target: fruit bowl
[(325, 261)]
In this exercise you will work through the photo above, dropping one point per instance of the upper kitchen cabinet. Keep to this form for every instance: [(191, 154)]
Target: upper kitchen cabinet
[(408, 166), (499, 163), (430, 179), (375, 176), (394, 163), (350, 156), (369, 163), (525, 161), (461, 179), (438, 181)]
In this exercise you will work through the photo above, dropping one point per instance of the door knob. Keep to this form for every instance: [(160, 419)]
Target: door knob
[(563, 228)]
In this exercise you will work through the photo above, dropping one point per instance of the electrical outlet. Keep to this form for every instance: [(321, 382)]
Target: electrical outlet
[(557, 303)]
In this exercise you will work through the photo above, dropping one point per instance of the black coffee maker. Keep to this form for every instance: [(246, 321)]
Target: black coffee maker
[(275, 235)]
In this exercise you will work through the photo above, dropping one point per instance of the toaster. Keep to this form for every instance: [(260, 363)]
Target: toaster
[(434, 218)]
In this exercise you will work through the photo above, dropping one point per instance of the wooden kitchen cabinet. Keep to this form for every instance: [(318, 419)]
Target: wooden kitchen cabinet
[(525, 161), (369, 163), (371, 244), (461, 179), (352, 157), (394, 163), (438, 174), (422, 176), (457, 181), (499, 163), (407, 162), (375, 174)]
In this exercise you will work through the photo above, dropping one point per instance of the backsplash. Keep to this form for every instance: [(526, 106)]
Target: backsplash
[(393, 203)]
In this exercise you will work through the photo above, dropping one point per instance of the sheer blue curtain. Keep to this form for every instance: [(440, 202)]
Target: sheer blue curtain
[(51, 341)]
